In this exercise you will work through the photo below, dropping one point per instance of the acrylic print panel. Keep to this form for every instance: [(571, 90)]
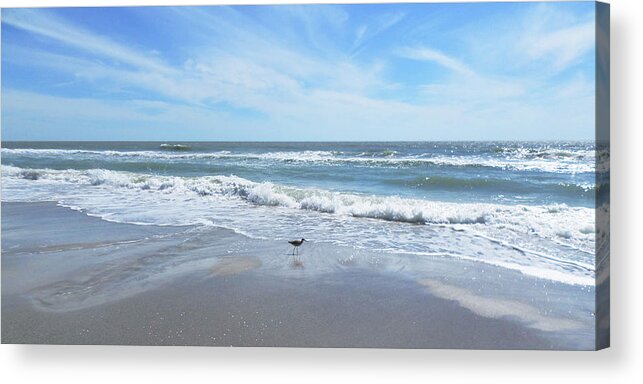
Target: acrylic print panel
[(373, 175)]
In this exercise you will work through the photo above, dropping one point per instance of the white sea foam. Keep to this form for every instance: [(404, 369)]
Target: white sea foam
[(388, 208), (524, 238), (575, 162)]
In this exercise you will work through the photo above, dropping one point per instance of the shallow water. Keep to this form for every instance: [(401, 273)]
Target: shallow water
[(85, 266), (517, 205)]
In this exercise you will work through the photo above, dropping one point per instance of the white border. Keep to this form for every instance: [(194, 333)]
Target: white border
[(107, 3), (622, 363)]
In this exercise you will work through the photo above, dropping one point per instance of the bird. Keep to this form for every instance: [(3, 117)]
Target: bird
[(296, 244)]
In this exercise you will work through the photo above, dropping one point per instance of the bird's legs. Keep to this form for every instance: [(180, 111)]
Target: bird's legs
[(295, 254)]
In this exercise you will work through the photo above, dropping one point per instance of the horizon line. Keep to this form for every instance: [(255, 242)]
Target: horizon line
[(293, 141)]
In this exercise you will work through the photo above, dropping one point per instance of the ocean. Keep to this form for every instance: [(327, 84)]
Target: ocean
[(525, 206)]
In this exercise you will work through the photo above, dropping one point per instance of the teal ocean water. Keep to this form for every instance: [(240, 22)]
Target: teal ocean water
[(527, 206)]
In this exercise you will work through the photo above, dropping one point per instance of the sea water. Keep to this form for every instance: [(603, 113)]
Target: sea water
[(526, 206)]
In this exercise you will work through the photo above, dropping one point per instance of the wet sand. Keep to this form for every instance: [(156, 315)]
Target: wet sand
[(72, 279)]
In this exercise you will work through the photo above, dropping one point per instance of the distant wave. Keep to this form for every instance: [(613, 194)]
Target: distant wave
[(459, 184), (383, 153), (547, 153), (175, 147), (372, 159)]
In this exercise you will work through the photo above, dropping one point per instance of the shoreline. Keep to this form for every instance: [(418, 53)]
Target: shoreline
[(83, 280)]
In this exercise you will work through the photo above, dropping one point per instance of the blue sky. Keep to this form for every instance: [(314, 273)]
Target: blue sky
[(468, 71)]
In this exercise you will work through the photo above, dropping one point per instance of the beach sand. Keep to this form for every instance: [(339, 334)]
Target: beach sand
[(68, 278)]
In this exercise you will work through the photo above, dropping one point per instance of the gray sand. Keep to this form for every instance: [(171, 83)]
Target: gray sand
[(72, 279)]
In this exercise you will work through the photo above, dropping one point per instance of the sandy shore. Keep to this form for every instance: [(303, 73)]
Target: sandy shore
[(68, 278)]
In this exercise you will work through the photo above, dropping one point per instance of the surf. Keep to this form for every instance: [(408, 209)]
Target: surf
[(579, 163), (270, 210)]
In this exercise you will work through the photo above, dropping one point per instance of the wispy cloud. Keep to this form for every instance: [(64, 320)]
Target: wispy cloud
[(47, 25), (367, 32), (320, 72), (563, 47), (556, 39), (432, 55)]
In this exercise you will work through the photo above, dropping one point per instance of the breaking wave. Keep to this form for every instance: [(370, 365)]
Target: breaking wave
[(528, 236), (459, 184), (175, 147), (555, 161), (549, 221)]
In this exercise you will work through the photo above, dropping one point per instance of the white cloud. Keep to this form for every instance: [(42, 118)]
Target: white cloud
[(556, 38), (369, 31), (476, 89), (563, 46), (251, 75), (297, 91), (39, 22), (432, 55)]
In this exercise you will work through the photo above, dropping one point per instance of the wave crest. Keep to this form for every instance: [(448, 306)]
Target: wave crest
[(389, 208), (175, 147), (263, 209), (555, 161)]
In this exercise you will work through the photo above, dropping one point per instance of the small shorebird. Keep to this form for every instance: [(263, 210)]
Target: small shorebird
[(296, 244)]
